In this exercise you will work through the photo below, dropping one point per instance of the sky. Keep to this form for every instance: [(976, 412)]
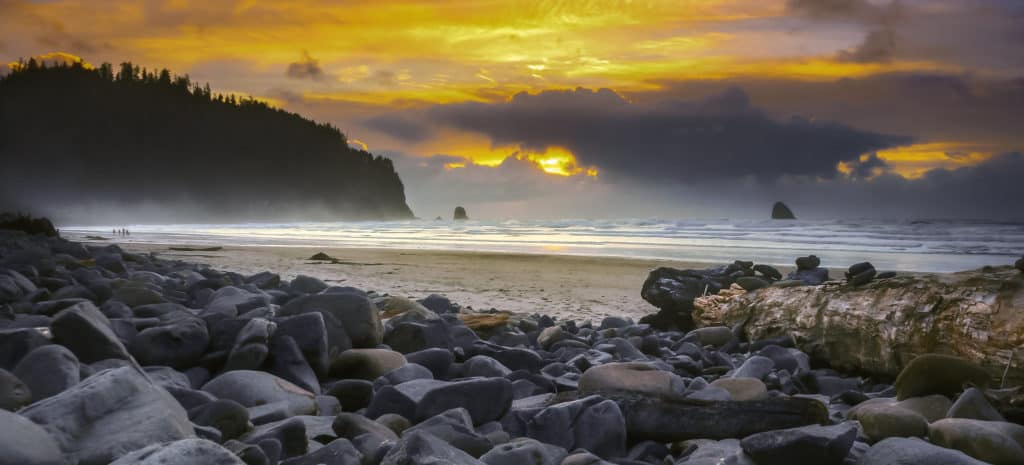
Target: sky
[(715, 108)]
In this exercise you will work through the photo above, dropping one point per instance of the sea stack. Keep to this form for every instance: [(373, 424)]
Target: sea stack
[(460, 214), (781, 212)]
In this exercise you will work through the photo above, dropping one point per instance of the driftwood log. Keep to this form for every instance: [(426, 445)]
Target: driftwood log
[(879, 327)]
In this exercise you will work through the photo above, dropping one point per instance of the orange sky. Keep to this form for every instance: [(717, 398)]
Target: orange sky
[(388, 55)]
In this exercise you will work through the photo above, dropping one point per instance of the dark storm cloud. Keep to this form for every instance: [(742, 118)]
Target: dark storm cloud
[(400, 127), (306, 68), (930, 106), (878, 46), (721, 136)]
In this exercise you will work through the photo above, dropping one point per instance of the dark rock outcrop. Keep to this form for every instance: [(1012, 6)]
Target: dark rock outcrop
[(460, 214), (781, 212)]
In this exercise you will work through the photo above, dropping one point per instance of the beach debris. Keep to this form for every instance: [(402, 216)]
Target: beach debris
[(320, 256)]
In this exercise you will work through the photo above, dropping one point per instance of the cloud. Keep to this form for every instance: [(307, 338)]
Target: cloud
[(720, 136), (306, 68), (400, 127), (879, 46)]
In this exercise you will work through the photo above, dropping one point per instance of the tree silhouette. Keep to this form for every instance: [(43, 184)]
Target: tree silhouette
[(73, 135)]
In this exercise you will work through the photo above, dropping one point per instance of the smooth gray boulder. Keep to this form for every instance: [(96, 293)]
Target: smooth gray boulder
[(14, 393), (822, 445), (486, 399), (337, 452), (25, 443), (591, 423), (109, 414), (86, 331), (424, 449), (179, 344), (904, 451), (48, 371), (708, 452), (254, 388), (456, 428), (995, 442), (973, 404), (183, 452), (522, 451), (352, 320)]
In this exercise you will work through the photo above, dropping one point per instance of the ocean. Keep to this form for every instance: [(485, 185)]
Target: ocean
[(923, 245)]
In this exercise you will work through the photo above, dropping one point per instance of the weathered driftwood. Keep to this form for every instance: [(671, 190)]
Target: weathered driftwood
[(674, 418), (879, 327)]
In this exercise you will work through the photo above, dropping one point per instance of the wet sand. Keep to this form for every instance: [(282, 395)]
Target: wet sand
[(578, 287)]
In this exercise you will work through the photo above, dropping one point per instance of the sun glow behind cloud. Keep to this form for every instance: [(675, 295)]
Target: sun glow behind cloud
[(392, 55)]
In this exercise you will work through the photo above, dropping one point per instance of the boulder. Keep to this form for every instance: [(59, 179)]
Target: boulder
[(591, 423), (227, 416), (995, 442), (756, 367), (460, 214), (337, 452), (742, 388), (456, 428), (484, 366), (84, 330), (751, 283), (820, 445), (48, 371), (303, 284), (310, 333), (183, 452), (250, 349), (708, 452), (524, 451), (768, 271), (425, 449), (629, 377), (253, 388), (16, 343), (351, 319), (368, 364), (353, 394), (781, 212), (973, 404), (878, 328), (486, 399), (902, 451), (14, 393), (351, 425), (939, 374), (180, 344), (286, 361), (884, 419), (811, 277), (109, 414), (25, 443), (716, 336)]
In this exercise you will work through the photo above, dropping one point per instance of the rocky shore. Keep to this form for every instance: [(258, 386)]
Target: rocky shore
[(112, 357)]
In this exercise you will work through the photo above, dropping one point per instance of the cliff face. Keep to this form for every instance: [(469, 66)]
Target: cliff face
[(155, 148), (879, 327)]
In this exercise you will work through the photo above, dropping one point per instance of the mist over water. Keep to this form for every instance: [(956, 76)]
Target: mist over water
[(940, 246)]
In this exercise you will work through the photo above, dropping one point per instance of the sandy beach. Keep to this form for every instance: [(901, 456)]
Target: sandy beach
[(578, 287)]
